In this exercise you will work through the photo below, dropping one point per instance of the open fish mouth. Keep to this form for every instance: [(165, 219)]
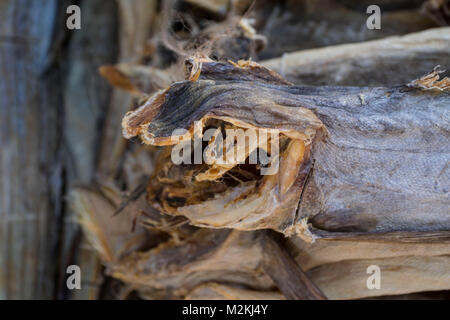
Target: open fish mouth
[(230, 157)]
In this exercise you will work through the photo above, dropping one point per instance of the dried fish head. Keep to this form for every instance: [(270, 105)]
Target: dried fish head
[(245, 153)]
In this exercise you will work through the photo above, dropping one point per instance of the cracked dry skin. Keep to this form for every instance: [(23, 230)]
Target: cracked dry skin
[(351, 159)]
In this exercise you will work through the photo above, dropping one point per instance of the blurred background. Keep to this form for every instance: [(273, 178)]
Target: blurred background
[(60, 119)]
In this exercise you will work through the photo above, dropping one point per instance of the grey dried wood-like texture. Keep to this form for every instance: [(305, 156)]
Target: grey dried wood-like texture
[(386, 62), (86, 98), (52, 103), (384, 165), (30, 164), (297, 25), (112, 30), (137, 20)]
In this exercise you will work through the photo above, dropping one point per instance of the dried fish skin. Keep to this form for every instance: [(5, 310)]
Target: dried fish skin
[(385, 165)]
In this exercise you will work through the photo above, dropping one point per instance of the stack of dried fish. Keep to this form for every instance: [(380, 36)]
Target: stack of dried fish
[(360, 174)]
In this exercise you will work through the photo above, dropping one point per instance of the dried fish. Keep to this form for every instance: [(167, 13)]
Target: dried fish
[(351, 159)]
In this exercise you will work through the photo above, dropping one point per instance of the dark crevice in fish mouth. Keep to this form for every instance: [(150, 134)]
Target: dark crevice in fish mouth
[(298, 215)]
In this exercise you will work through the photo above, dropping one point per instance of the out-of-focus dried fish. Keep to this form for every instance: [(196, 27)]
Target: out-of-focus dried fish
[(112, 237), (438, 10), (189, 262), (206, 256), (360, 180), (135, 79), (303, 24), (387, 62), (248, 262), (233, 38), (221, 7)]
